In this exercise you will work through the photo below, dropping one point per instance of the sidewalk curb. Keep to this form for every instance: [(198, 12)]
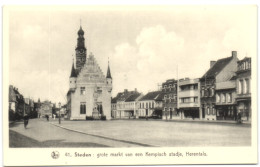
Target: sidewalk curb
[(211, 122), (190, 121), (106, 137)]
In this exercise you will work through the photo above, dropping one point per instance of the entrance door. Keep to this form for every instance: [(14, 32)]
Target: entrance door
[(203, 111), (170, 113)]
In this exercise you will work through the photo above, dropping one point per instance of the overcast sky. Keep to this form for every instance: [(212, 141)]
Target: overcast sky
[(144, 45)]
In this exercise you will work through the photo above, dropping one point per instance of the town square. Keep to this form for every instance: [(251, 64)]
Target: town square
[(123, 133)]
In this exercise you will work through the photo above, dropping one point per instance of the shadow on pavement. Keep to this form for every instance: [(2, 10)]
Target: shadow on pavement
[(15, 123), (17, 140)]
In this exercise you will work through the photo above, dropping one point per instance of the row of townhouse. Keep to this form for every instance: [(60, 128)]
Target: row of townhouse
[(220, 94), (132, 104), (20, 106), (124, 105)]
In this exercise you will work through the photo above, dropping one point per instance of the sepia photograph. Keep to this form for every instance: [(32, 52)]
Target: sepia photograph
[(137, 82)]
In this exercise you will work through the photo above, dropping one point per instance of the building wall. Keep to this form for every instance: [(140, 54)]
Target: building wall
[(244, 89), (78, 98), (208, 110), (46, 108), (170, 99), (188, 89), (97, 91), (147, 105)]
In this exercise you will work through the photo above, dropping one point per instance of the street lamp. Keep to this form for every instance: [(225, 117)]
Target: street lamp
[(59, 112)]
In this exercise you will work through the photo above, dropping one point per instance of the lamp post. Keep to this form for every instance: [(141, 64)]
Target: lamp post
[(59, 112)]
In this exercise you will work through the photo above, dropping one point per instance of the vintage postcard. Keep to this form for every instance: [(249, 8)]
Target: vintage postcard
[(129, 85)]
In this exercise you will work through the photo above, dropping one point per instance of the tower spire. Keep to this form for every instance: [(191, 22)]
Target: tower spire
[(108, 71), (73, 71), (80, 22)]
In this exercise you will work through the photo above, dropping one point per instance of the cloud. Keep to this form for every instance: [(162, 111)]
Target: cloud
[(152, 60)]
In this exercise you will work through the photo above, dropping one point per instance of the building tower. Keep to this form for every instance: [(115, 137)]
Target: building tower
[(109, 78), (81, 50), (73, 77)]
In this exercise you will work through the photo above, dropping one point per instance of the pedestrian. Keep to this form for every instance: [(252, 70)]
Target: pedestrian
[(239, 120), (26, 120), (47, 117), (54, 116)]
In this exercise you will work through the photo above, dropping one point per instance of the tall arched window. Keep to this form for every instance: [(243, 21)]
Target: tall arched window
[(240, 83), (217, 98), (223, 98), (245, 87)]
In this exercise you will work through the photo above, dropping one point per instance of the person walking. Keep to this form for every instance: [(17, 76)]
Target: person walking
[(47, 117), (239, 118), (26, 120)]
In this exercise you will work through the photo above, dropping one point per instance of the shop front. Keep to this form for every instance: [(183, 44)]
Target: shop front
[(244, 108), (226, 112)]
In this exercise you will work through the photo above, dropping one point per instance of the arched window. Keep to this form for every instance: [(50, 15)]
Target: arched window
[(229, 97), (212, 92), (240, 83), (223, 97), (217, 98)]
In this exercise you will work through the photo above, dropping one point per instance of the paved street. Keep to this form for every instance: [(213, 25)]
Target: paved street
[(128, 133), (41, 133)]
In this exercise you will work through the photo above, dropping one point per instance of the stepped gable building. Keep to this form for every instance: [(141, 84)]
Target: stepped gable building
[(220, 71), (151, 104), (170, 99), (90, 90), (243, 82)]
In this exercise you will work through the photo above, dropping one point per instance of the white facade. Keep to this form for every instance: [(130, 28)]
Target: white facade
[(90, 92)]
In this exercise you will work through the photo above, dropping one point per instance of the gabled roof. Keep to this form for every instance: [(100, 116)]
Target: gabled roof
[(125, 95), (151, 96), (73, 72), (114, 100), (133, 97), (108, 72), (217, 67), (160, 97)]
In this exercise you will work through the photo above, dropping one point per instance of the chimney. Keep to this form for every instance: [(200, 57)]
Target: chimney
[(135, 89), (212, 63), (125, 91), (234, 54)]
